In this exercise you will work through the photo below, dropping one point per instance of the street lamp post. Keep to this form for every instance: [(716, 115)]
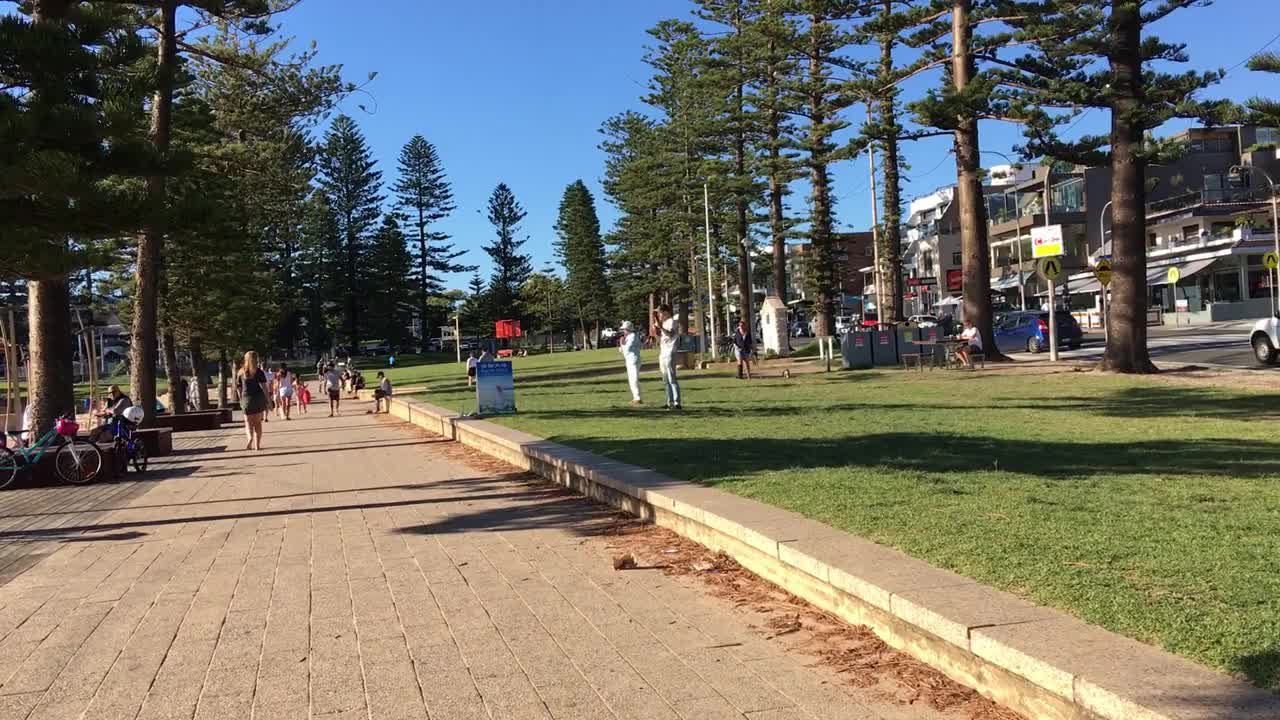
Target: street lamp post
[(1102, 289), (711, 293), (1275, 238)]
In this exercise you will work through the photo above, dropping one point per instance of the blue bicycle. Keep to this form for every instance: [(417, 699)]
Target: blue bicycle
[(77, 461), (129, 448)]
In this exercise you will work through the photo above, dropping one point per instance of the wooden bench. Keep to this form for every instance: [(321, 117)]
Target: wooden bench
[(910, 359), (45, 472), (189, 422), (158, 441)]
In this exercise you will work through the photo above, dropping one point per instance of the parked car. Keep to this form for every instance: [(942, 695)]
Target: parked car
[(1265, 339), (608, 333), (923, 320), (1029, 330)]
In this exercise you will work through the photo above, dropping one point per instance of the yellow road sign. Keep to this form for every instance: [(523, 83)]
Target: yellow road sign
[(1050, 268), (1174, 276), (1271, 261), (1102, 271)]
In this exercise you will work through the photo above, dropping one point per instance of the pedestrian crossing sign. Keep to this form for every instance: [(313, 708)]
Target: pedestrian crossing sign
[(1271, 261), (1050, 268), (1102, 271)]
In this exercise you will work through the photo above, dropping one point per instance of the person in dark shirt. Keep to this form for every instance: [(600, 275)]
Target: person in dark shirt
[(743, 349)]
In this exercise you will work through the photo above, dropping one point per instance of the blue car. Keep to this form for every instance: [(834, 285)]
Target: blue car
[(1029, 330)]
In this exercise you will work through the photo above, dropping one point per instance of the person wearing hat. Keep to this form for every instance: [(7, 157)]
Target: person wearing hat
[(629, 346)]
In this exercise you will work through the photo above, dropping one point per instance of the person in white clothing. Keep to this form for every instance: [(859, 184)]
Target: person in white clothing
[(629, 346), (284, 392), (472, 360), (974, 345), (667, 331)]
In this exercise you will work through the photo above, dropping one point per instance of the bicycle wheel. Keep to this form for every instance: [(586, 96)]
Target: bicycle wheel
[(139, 456), (78, 462), (9, 466)]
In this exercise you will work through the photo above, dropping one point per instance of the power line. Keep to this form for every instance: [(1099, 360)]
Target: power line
[(1254, 55)]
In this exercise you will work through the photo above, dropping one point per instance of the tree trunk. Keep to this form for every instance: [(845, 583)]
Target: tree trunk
[(223, 372), (777, 184), (50, 385), (742, 228), (820, 198), (173, 374), (890, 235), (142, 352), (199, 372), (974, 251), (1127, 315)]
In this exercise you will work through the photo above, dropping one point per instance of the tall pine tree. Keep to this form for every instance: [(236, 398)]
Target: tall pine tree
[(352, 187), (581, 251), (72, 139), (390, 283), (510, 267), (1084, 45), (425, 197)]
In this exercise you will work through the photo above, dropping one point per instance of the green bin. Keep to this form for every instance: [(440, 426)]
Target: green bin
[(855, 351)]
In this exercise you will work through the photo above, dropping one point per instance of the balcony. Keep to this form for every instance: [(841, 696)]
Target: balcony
[(1196, 198)]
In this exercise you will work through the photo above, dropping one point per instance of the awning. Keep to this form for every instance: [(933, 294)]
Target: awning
[(1160, 275), (1010, 282), (1085, 287)]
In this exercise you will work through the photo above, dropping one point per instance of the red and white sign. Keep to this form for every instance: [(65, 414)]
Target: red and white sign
[(1046, 241)]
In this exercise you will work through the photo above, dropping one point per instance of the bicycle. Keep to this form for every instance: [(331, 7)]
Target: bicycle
[(77, 462), (129, 449)]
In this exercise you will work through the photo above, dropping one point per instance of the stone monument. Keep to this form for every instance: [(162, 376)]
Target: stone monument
[(773, 326)]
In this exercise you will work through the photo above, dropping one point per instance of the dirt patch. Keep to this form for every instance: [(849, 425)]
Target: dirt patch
[(863, 660)]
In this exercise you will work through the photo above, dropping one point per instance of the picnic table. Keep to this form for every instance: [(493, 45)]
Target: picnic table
[(948, 347)]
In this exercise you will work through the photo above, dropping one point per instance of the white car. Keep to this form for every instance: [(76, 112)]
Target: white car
[(608, 333), (1265, 339)]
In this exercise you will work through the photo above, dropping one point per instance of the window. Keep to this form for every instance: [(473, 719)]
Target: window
[(1227, 285), (1268, 136), (1068, 196), (1222, 230), (1190, 233), (1151, 240), (1260, 283), (955, 258)]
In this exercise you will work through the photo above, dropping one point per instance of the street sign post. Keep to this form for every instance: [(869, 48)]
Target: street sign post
[(1050, 268), (1174, 275), (1271, 261), (1102, 271), (1046, 241)]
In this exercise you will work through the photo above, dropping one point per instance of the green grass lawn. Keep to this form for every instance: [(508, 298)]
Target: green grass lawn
[(1152, 509)]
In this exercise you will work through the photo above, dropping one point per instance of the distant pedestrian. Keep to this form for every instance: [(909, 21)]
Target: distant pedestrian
[(391, 360), (193, 393), (284, 391), (255, 395), (472, 360), (382, 393), (304, 395), (668, 333), (331, 384), (486, 356), (743, 349), (629, 346), (271, 392)]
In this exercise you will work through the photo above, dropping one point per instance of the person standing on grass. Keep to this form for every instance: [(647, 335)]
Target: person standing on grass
[(743, 348), (668, 333), (255, 394), (472, 360), (629, 346), (331, 383)]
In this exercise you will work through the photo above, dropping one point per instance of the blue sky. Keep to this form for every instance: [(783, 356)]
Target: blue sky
[(516, 90)]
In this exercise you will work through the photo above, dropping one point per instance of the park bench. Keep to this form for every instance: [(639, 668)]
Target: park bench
[(158, 441)]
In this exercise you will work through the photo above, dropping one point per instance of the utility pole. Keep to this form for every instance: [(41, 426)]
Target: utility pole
[(875, 230), (711, 294)]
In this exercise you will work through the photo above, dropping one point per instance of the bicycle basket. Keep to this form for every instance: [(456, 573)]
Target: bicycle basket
[(67, 427)]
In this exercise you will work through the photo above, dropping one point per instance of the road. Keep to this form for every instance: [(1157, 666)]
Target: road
[(1219, 345)]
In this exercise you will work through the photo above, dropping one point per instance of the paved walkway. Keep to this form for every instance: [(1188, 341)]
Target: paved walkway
[(356, 568)]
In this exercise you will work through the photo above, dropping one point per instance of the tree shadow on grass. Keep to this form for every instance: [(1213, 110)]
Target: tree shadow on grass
[(1160, 402), (714, 460), (1262, 669)]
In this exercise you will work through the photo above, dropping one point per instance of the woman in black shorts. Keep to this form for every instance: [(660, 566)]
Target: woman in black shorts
[(254, 394)]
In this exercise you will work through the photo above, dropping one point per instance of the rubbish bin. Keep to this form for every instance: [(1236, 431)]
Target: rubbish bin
[(855, 351), (907, 336), (884, 347)]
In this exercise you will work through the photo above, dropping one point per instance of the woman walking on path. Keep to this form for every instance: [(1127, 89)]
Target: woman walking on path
[(284, 384), (255, 394), (743, 349)]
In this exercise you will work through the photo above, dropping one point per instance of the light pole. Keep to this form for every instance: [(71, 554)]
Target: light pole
[(551, 342), (711, 293), (1102, 289), (1275, 237)]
